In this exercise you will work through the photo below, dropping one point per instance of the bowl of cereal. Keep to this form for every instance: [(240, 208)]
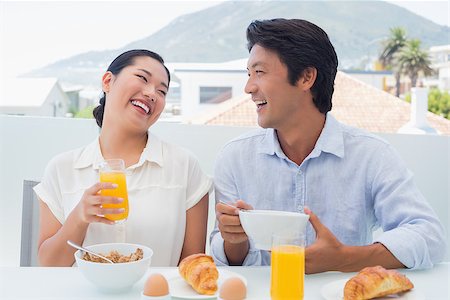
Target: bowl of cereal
[(131, 261)]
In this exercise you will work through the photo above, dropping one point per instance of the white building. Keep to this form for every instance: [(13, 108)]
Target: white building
[(204, 84), (378, 79), (440, 58), (33, 97)]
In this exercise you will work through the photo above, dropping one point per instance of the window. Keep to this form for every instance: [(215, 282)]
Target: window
[(174, 94), (216, 94)]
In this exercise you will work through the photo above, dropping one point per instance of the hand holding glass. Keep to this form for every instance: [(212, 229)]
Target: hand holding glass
[(288, 267), (113, 170)]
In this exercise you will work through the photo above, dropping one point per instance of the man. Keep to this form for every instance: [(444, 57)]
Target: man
[(349, 181)]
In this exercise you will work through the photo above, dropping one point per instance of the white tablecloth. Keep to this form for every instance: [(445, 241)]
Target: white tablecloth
[(68, 283)]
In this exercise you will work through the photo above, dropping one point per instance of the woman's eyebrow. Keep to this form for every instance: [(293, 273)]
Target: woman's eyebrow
[(150, 74), (146, 72)]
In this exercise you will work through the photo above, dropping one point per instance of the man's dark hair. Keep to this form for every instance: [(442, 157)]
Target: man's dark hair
[(299, 44)]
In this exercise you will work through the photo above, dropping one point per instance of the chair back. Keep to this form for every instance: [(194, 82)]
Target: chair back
[(30, 226)]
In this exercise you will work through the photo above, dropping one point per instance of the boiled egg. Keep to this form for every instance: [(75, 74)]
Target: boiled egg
[(156, 286), (233, 289)]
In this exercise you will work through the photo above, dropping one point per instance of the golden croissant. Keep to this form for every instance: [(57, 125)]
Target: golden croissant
[(372, 282), (200, 272)]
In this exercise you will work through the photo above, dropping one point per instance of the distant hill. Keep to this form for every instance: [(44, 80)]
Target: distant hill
[(218, 34)]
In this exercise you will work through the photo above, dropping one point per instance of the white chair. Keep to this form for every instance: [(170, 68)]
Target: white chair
[(30, 226)]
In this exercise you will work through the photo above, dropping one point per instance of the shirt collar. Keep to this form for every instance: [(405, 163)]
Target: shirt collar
[(270, 144), (267, 145), (92, 156), (89, 156), (153, 151), (331, 140)]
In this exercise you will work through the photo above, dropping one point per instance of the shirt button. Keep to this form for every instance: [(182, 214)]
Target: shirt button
[(300, 208)]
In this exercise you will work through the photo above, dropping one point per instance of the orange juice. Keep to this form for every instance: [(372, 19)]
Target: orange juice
[(121, 192), (287, 272)]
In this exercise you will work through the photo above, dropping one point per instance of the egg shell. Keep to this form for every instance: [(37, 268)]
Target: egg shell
[(156, 285), (144, 297), (233, 289)]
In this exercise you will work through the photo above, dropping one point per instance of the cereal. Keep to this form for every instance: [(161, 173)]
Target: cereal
[(116, 257)]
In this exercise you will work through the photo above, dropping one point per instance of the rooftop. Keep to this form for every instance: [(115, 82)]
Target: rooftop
[(355, 103), (25, 91)]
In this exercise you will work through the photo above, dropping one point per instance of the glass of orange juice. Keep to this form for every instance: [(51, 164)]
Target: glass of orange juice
[(288, 267), (113, 170)]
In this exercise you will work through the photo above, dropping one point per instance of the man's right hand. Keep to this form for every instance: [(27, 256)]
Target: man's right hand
[(236, 244)]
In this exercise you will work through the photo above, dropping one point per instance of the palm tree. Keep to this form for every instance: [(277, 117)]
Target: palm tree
[(412, 60), (391, 46)]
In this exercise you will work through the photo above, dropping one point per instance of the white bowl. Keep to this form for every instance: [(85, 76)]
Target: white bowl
[(114, 277), (260, 225)]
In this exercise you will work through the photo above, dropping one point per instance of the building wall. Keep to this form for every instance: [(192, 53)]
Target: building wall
[(28, 143), (444, 77), (440, 56), (376, 80), (56, 104), (192, 81)]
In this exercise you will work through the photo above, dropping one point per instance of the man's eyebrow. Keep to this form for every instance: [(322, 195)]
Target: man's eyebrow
[(150, 74), (255, 64)]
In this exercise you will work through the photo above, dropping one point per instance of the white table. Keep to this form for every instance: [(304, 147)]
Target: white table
[(68, 283)]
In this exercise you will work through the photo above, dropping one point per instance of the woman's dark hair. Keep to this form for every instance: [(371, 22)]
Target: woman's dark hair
[(124, 60), (299, 44)]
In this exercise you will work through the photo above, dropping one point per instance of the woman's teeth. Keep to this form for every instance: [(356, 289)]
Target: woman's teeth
[(141, 105)]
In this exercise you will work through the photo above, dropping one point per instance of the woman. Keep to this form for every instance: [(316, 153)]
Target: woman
[(167, 190)]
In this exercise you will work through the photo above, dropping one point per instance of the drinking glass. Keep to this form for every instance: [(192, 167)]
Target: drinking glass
[(113, 170), (288, 267)]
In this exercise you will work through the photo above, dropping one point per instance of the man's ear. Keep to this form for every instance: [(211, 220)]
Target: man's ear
[(307, 79), (106, 81)]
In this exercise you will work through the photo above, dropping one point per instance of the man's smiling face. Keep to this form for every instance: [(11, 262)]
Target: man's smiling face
[(276, 99)]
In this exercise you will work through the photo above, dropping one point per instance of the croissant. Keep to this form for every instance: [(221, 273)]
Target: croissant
[(200, 272), (372, 282)]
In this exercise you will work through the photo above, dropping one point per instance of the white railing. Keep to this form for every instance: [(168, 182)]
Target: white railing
[(28, 143)]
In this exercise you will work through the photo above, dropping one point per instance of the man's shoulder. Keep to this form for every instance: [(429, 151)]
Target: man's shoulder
[(360, 136), (249, 138)]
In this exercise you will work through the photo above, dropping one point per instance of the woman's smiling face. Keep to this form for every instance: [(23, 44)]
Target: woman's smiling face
[(137, 95)]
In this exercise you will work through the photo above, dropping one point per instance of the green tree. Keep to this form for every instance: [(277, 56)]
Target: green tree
[(392, 45), (412, 60), (85, 113), (438, 102)]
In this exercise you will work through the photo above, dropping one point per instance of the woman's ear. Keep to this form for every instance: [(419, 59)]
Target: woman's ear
[(308, 78), (106, 81)]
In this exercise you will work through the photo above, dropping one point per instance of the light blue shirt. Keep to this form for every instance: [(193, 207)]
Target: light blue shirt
[(353, 181)]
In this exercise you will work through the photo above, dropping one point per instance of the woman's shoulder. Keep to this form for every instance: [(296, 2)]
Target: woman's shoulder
[(170, 149), (67, 158), (176, 155)]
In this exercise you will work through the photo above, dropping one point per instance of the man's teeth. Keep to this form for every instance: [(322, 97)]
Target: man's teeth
[(141, 105), (260, 102)]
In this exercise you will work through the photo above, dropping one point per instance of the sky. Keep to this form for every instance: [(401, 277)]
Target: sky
[(36, 33)]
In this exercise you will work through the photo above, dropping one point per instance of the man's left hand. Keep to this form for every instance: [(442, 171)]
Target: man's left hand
[(326, 253)]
